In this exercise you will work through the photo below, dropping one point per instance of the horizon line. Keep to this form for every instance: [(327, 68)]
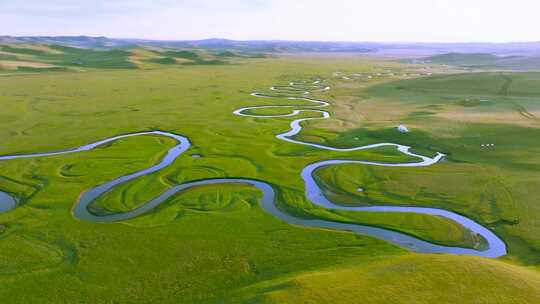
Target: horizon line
[(271, 40)]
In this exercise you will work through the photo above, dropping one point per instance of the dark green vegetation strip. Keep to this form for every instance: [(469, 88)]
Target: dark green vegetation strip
[(32, 69)]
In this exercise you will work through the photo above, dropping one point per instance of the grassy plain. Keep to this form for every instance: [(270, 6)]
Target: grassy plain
[(487, 61), (496, 185), (396, 280), (207, 245), (46, 58)]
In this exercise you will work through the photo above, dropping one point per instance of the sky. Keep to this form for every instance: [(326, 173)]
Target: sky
[(320, 20)]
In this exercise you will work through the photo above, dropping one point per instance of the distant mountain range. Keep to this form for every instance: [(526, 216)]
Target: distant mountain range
[(412, 50), (216, 44)]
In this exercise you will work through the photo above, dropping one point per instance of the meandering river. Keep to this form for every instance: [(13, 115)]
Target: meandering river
[(495, 246)]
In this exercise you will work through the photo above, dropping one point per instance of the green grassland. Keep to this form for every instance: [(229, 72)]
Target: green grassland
[(496, 185), (487, 61), (397, 281), (213, 244), (47, 58)]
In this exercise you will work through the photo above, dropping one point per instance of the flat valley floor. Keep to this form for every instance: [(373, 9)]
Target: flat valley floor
[(214, 243)]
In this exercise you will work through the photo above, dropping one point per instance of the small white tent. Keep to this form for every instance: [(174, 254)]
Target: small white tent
[(402, 129)]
